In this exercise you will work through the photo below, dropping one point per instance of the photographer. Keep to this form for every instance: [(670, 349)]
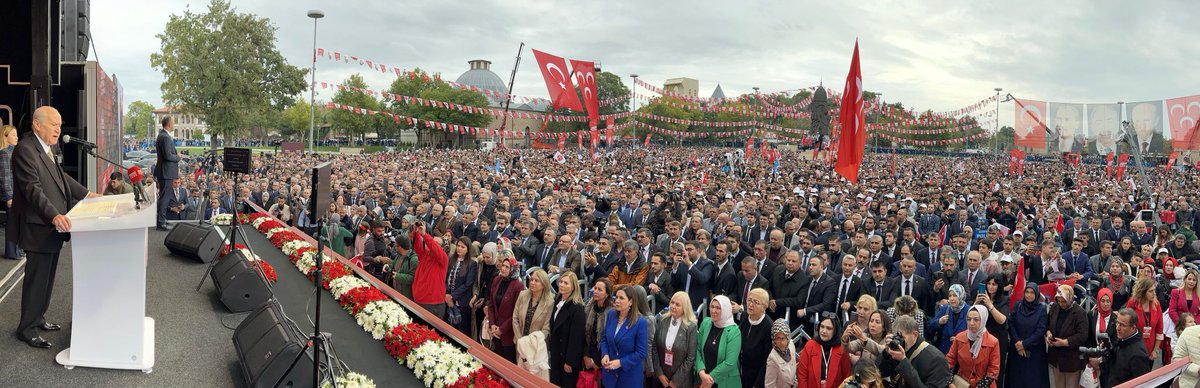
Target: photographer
[(910, 361), (1127, 358), (376, 253)]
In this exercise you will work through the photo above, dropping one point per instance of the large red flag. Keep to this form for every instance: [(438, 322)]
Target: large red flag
[(562, 91), (1121, 161), (1030, 125), (562, 142), (1018, 290), (585, 77), (1012, 161), (750, 148), (1108, 165), (853, 135), (1171, 159), (647, 143)]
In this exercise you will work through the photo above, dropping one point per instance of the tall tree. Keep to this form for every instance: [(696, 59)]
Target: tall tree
[(294, 122), (224, 65), (357, 123), (432, 88), (139, 119)]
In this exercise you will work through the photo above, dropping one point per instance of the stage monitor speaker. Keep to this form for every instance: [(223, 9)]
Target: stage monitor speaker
[(266, 343), (197, 242), (239, 286)]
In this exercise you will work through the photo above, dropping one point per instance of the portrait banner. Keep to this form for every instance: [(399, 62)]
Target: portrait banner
[(1103, 126), (1066, 127), (1030, 124), (1183, 117), (1146, 119)]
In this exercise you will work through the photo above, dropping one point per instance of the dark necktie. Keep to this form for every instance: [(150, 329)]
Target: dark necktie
[(908, 287), (970, 279), (812, 288), (878, 291), (1097, 233), (842, 292)]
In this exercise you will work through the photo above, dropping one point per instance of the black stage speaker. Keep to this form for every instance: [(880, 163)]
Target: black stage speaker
[(197, 242), (266, 343), (238, 283)]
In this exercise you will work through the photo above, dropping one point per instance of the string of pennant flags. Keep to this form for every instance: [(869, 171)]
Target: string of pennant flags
[(691, 135), (461, 129), (494, 112), (928, 143)]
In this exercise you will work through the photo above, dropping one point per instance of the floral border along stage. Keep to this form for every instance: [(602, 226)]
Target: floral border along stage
[(435, 361)]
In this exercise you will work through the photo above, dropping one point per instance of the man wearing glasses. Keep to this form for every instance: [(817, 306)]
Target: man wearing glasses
[(1128, 358)]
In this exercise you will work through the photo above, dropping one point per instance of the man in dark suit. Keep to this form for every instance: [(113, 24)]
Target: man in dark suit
[(724, 272), (748, 279), (166, 170), (467, 227), (42, 195), (878, 285), (914, 286), (694, 275), (658, 283), (846, 288), (819, 294)]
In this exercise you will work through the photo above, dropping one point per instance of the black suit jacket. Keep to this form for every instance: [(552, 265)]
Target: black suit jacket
[(725, 282), (852, 292), (471, 231), (41, 191), (921, 290), (820, 298), (740, 288), (701, 274), (167, 166), (564, 346), (884, 298), (662, 299)]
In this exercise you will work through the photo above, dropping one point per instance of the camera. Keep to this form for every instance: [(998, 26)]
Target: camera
[(1102, 348), (896, 342)]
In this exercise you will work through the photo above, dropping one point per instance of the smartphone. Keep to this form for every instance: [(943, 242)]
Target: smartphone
[(853, 317), (982, 289)]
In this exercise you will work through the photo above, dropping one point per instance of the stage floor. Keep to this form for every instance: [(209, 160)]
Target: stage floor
[(194, 346)]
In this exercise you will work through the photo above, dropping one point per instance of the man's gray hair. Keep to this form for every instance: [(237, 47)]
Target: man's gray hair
[(904, 324), (1129, 312)]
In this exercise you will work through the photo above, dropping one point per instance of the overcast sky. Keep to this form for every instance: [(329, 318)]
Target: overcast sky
[(938, 55)]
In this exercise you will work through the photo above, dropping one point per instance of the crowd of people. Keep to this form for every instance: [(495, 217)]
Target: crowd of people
[(708, 267)]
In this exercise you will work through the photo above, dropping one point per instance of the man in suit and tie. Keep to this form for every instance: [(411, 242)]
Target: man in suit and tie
[(724, 272), (747, 280), (467, 227), (42, 195), (544, 250), (847, 288), (1078, 265), (913, 285), (932, 252), (764, 267), (786, 289), (878, 285), (1118, 230), (565, 258), (673, 235), (817, 295), (166, 170), (178, 203), (694, 274), (658, 283)]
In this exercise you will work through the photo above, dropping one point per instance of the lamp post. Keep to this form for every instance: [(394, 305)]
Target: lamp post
[(312, 96), (633, 101), (996, 134)]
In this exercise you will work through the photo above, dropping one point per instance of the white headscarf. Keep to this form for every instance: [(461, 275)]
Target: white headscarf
[(726, 312), (976, 337)]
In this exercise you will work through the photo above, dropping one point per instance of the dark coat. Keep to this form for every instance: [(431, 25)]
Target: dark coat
[(683, 352), (41, 191), (891, 290), (1074, 329), (167, 166), (565, 346), (701, 275), (500, 308), (1130, 359)]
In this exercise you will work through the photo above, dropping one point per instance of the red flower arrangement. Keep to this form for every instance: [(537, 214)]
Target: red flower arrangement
[(329, 272), (283, 237), (268, 225), (267, 270), (299, 254), (226, 250), (356, 299), (404, 338), (482, 377)]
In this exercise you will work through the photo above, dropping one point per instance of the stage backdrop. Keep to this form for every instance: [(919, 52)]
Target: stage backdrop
[(1162, 126)]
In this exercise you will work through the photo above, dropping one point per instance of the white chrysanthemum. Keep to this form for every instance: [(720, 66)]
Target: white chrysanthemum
[(351, 380), (344, 284), (291, 247), (380, 317), (221, 219)]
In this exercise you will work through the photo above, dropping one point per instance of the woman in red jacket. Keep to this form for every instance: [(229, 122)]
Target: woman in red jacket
[(823, 363), (1185, 299), (499, 310), (429, 284), (1149, 312), (975, 353)]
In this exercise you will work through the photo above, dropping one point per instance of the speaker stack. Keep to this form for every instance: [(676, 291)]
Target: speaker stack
[(267, 343), (239, 285), (197, 242)]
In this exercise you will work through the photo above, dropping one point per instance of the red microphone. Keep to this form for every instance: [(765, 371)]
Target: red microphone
[(135, 174)]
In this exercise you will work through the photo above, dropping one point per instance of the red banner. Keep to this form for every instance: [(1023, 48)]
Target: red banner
[(647, 143), (1015, 158), (562, 143), (1171, 159), (1183, 114), (1121, 161), (1030, 122), (854, 132), (554, 71), (585, 77), (1108, 161)]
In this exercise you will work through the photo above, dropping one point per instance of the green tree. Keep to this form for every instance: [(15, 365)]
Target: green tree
[(433, 89), (666, 107), (139, 119), (294, 121), (358, 122), (224, 65)]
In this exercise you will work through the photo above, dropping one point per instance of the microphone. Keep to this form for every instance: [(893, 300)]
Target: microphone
[(78, 142), (135, 174)]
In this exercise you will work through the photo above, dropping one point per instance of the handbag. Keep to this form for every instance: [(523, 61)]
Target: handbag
[(588, 378)]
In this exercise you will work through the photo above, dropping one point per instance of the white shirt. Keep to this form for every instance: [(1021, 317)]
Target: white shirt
[(672, 332)]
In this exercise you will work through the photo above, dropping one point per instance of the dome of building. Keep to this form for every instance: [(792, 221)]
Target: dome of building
[(481, 76)]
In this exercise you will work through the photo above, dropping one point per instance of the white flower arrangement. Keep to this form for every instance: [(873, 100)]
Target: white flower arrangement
[(259, 221), (306, 263), (221, 219), (271, 233), (438, 363), (380, 317), (344, 284), (351, 380), (291, 247)]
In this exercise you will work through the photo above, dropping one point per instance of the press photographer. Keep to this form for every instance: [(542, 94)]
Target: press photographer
[(912, 362), (1121, 361), (376, 254)]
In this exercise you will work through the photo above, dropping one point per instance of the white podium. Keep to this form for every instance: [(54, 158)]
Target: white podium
[(109, 326)]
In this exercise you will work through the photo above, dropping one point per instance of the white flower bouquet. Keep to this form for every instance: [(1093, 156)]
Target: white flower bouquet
[(221, 219), (291, 247), (351, 380), (438, 363), (380, 317), (344, 284)]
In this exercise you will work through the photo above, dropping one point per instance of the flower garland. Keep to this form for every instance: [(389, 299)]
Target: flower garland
[(435, 361), (351, 380), (222, 219)]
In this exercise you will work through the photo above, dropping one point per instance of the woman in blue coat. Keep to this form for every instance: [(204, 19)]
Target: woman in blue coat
[(625, 342), (950, 319), (1026, 330)]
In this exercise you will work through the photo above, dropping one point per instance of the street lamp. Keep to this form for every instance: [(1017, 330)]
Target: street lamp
[(633, 93), (312, 96)]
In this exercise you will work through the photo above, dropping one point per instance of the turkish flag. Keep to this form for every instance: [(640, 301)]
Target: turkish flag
[(1030, 123), (750, 148), (1171, 159), (585, 77), (1108, 164), (853, 135), (562, 91), (595, 141), (1121, 161)]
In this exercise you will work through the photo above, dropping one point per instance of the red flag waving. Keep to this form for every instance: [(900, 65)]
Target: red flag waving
[(1018, 290), (585, 77), (1121, 161), (647, 143), (853, 135), (562, 91), (1108, 165)]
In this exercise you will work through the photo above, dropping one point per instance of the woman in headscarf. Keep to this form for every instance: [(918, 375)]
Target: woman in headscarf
[(719, 347), (975, 353), (1149, 313), (675, 344), (950, 318), (1117, 281), (1101, 319), (500, 306), (487, 272), (756, 338), (823, 362), (781, 363), (1027, 328), (995, 300)]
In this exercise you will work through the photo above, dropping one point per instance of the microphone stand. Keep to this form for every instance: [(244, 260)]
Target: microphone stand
[(139, 196)]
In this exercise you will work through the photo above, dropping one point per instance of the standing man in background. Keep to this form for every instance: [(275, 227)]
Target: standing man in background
[(43, 195), (166, 170)]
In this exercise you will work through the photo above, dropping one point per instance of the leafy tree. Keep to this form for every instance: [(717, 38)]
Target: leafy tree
[(432, 88), (224, 65), (356, 123), (666, 107), (139, 119), (294, 121)]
